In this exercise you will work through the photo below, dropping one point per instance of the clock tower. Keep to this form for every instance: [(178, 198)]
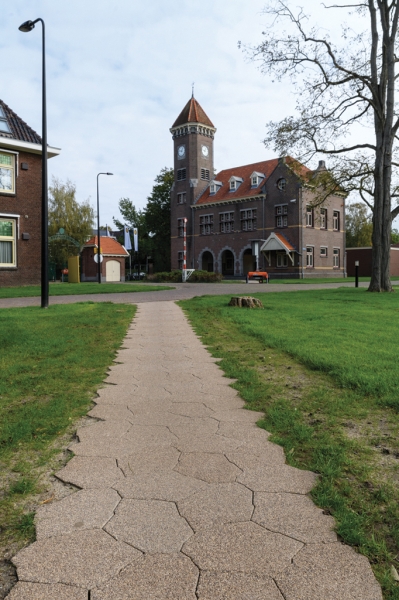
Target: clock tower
[(193, 134)]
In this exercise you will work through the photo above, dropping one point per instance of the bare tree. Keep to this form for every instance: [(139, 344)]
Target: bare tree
[(346, 91)]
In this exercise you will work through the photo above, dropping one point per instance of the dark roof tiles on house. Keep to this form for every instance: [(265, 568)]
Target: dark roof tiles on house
[(19, 129), (193, 113), (109, 246), (245, 189)]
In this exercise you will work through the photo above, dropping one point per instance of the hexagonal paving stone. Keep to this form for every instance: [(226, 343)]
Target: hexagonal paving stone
[(236, 586), (282, 478), (153, 577), (108, 412), (150, 525), (87, 509), (149, 460), (293, 515), (212, 468), (244, 547), (98, 472), (41, 591), (217, 503), (330, 572), (191, 409), (169, 486), (211, 443), (103, 430), (249, 459), (84, 559), (193, 427), (150, 436)]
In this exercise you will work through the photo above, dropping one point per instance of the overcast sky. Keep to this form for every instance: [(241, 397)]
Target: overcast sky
[(118, 75)]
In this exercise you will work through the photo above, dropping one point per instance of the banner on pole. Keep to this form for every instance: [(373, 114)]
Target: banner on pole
[(136, 239), (128, 243)]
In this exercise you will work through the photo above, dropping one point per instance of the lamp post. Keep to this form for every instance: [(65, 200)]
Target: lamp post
[(26, 27), (98, 228)]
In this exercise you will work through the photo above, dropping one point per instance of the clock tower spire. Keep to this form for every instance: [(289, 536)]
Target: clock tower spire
[(193, 133)]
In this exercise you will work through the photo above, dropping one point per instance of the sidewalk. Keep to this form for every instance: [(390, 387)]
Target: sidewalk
[(182, 496)]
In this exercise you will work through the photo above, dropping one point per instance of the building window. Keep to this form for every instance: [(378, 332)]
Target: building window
[(7, 243), (309, 257), (181, 174), (282, 184), (336, 258), (254, 181), (206, 224), (205, 174), (226, 222), (4, 126), (323, 218), (309, 216), (212, 188), (181, 198), (180, 227), (281, 215), (282, 260), (248, 219), (336, 220), (180, 258), (7, 173), (232, 184), (323, 252)]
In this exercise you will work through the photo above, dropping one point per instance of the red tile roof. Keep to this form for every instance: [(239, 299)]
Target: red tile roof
[(284, 241), (192, 113), (245, 190), (19, 129), (109, 246)]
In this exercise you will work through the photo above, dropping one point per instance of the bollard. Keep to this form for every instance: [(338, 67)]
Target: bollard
[(356, 273)]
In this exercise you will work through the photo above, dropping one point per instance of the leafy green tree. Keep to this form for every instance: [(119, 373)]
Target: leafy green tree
[(394, 236), (157, 219), (359, 227), (77, 220), (343, 83)]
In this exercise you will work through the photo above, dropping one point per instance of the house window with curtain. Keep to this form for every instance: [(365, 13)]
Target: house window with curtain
[(7, 243), (7, 173)]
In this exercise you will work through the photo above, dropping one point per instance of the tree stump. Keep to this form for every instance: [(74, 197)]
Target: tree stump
[(245, 302)]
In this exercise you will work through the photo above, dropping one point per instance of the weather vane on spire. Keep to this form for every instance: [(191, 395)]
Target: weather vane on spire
[(192, 93)]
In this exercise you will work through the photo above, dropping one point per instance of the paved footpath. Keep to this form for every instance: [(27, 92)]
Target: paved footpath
[(181, 496)]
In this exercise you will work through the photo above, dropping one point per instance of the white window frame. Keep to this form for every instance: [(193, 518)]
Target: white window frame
[(336, 220), (282, 184), (336, 258), (233, 185), (309, 257), (309, 216), (206, 224), (282, 260), (323, 218), (226, 222), (325, 254), (10, 238), (248, 219), (7, 167)]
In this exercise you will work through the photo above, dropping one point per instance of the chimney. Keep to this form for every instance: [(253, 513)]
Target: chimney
[(322, 166)]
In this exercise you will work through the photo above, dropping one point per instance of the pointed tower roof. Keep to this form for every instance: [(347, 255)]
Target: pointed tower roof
[(193, 113)]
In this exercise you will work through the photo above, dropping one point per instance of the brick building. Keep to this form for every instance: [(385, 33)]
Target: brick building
[(113, 264), (20, 200), (256, 215)]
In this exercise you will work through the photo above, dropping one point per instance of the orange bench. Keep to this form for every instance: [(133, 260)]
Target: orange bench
[(261, 275)]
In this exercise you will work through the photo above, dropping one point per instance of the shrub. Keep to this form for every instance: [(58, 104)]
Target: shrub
[(176, 277)]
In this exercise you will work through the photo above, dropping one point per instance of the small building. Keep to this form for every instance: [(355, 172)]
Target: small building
[(260, 215), (364, 255), (20, 200), (113, 264)]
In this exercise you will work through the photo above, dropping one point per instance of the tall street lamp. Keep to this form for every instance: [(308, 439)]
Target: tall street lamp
[(98, 228), (25, 27)]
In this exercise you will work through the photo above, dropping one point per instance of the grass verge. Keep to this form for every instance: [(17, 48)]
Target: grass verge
[(52, 362), (69, 289), (322, 367)]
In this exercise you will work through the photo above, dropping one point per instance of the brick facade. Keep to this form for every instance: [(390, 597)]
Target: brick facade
[(364, 255), (223, 223), (112, 251), (22, 207)]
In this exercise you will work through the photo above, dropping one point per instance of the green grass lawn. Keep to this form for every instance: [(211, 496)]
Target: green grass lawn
[(68, 289), (310, 280), (322, 365), (51, 363)]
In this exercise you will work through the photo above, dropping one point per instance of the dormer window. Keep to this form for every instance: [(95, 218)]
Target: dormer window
[(234, 183), (4, 126), (256, 178), (214, 186)]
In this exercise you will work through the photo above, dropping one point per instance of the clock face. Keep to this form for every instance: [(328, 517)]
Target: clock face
[(181, 151), (205, 150)]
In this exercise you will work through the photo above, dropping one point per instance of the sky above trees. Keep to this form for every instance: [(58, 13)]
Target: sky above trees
[(118, 76)]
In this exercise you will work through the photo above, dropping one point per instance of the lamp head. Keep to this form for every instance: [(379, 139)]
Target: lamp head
[(27, 26), (109, 173)]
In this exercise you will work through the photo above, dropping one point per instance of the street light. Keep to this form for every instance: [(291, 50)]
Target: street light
[(26, 27), (98, 228)]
